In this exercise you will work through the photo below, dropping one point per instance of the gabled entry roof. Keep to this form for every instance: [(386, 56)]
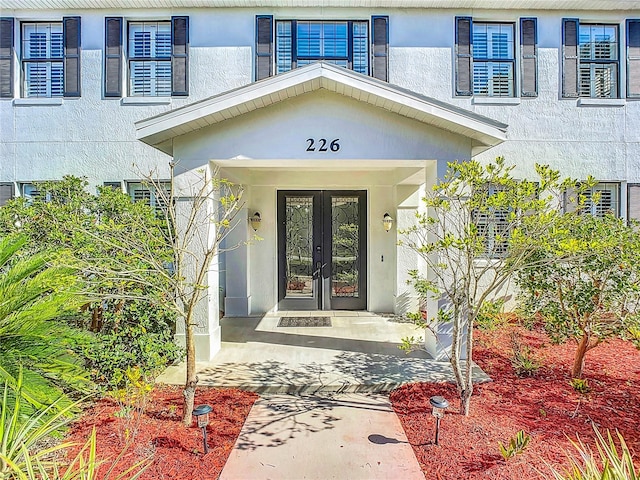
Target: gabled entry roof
[(158, 131)]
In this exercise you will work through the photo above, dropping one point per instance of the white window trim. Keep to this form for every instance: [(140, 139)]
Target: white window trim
[(601, 102), (38, 101), (146, 101), (482, 100)]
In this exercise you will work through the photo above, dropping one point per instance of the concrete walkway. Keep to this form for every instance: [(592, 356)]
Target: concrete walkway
[(342, 436), (337, 425)]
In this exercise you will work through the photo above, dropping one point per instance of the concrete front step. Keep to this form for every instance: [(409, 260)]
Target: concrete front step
[(355, 355)]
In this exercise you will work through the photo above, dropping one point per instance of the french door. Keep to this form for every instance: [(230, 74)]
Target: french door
[(322, 250)]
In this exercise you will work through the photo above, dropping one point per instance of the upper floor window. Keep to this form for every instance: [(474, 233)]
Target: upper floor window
[(486, 58), (149, 53), (42, 65), (51, 58), (598, 61), (343, 43), (590, 60), (156, 53), (493, 59), (358, 45)]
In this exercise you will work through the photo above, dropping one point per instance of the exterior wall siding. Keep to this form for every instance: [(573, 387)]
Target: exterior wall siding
[(95, 137)]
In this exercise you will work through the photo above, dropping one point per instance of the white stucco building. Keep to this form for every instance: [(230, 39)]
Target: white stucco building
[(332, 114)]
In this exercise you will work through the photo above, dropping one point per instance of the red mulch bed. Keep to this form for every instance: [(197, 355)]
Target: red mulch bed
[(177, 452), (545, 406)]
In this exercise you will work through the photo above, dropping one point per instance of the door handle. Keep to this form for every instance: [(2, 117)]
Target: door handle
[(319, 267)]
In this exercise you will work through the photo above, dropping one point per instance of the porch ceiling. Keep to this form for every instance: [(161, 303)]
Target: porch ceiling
[(157, 131)]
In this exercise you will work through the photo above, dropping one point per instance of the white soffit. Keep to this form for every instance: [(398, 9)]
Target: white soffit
[(157, 131), (457, 4)]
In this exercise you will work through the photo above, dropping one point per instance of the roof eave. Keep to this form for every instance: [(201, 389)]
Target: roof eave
[(158, 130)]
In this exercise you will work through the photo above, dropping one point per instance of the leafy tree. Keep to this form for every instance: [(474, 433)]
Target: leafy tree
[(35, 342), (590, 292), (195, 221), (130, 327), (474, 234)]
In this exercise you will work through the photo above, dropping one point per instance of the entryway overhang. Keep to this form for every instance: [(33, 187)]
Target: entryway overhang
[(158, 131)]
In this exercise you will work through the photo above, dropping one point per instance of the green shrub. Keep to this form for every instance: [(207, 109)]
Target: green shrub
[(84, 466), (134, 334), (490, 316), (21, 455), (522, 360), (516, 445), (132, 398), (20, 434), (37, 297), (580, 385), (606, 464)]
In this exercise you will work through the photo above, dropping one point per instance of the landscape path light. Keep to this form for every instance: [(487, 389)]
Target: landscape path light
[(201, 412), (439, 404)]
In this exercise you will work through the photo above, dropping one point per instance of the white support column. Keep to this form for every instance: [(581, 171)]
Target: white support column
[(408, 201), (237, 302), (187, 185), (438, 338)]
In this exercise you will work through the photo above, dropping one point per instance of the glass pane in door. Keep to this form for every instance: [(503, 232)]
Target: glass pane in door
[(299, 246), (345, 246)]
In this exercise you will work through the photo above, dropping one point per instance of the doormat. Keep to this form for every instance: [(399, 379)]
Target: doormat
[(304, 322)]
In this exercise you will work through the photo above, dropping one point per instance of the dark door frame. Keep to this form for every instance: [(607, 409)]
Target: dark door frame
[(322, 253)]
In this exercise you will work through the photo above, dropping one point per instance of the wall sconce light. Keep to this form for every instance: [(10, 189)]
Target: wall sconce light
[(387, 222), (255, 220), (439, 404), (201, 412)]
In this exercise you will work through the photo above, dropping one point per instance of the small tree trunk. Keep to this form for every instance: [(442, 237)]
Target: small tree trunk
[(455, 352), (189, 392), (465, 397), (465, 400), (578, 359), (95, 319)]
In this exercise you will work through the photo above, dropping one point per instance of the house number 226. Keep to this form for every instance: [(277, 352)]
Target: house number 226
[(323, 145)]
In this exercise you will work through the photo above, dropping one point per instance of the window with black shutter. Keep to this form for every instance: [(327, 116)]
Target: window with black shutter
[(590, 60), (380, 67), (464, 58), (6, 57), (158, 58), (633, 202), (6, 192), (179, 56), (264, 46), (71, 68), (113, 57), (633, 58), (283, 45), (51, 58), (485, 58), (528, 57)]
